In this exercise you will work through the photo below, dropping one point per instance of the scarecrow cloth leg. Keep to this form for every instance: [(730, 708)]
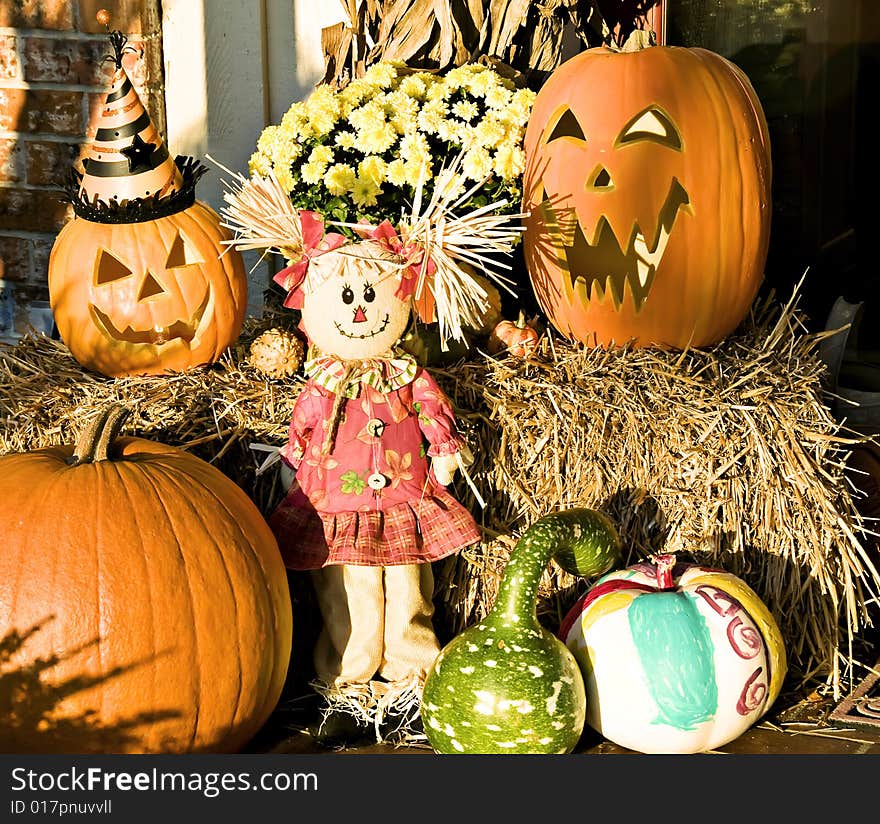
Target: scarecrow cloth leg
[(377, 622)]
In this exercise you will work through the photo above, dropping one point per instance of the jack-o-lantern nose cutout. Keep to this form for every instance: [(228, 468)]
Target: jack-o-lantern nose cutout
[(600, 179), (150, 288), (109, 268), (651, 124)]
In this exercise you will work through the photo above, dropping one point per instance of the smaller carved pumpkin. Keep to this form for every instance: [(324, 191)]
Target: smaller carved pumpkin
[(676, 658), (149, 297)]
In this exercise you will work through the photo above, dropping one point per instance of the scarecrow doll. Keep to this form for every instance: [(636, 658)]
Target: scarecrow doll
[(373, 442)]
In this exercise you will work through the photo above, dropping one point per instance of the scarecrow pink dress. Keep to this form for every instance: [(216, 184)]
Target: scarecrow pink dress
[(372, 499)]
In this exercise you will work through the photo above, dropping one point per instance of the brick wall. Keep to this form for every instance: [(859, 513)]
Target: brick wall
[(51, 81)]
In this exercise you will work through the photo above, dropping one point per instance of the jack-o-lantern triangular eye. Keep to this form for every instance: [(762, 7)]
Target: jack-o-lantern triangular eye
[(109, 268), (567, 126), (651, 124), (182, 253)]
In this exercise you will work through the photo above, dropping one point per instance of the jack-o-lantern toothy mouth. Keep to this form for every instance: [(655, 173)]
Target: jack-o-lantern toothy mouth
[(378, 331), (603, 266), (184, 330)]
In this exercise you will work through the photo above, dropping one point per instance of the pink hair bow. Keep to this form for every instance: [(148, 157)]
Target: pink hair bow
[(315, 242), (386, 236)]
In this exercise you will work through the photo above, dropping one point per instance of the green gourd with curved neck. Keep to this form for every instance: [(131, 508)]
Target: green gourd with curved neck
[(507, 685)]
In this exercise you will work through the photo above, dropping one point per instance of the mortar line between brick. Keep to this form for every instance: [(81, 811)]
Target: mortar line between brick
[(24, 234), (50, 86), (44, 137), (69, 34), (30, 187)]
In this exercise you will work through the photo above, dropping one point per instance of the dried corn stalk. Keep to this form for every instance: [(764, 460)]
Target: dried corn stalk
[(530, 37)]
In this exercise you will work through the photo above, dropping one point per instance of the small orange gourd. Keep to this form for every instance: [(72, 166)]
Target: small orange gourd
[(516, 338)]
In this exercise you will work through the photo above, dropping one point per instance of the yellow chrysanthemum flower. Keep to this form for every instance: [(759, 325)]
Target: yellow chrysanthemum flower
[(344, 140), (267, 139), (498, 97), (322, 110), (465, 109), (295, 123), (413, 86), (414, 147), (477, 163), (432, 115), (284, 176), (483, 82), (369, 116), (509, 161), (395, 172), (375, 139), (364, 192), (439, 91), (352, 96), (259, 164), (312, 172), (490, 131), (373, 168), (418, 170), (381, 75), (339, 178), (321, 154), (520, 108)]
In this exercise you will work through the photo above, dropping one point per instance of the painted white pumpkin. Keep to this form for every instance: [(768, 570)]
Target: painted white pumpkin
[(676, 658)]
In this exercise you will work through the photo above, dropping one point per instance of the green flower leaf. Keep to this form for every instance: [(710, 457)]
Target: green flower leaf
[(352, 483)]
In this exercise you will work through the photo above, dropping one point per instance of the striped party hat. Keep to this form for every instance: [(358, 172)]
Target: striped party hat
[(127, 159)]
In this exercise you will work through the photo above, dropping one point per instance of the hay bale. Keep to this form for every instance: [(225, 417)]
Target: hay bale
[(728, 456)]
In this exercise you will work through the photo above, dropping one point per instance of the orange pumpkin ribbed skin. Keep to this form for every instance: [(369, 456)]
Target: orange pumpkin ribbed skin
[(153, 574), (673, 137), (167, 271)]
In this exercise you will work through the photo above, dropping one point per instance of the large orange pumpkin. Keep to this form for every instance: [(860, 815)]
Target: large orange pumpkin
[(648, 182), (144, 598), (147, 297)]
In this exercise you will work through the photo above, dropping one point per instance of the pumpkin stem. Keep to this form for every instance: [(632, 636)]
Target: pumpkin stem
[(664, 565), (93, 444), (521, 320), (637, 40)]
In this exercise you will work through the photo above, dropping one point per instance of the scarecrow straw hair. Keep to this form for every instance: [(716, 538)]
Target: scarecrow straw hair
[(728, 455), (260, 214), (455, 243)]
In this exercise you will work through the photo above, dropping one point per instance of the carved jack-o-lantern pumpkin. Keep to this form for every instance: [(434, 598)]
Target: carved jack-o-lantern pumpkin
[(140, 281), (648, 182), (147, 298)]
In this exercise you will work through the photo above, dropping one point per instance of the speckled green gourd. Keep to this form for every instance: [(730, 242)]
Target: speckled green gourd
[(507, 685)]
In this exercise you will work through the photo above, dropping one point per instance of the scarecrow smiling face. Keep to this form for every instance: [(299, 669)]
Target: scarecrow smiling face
[(350, 308), (648, 184)]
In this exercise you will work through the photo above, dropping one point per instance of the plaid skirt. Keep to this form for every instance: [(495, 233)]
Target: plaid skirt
[(417, 532)]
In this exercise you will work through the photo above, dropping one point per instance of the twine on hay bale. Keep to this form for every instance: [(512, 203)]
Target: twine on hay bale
[(728, 456)]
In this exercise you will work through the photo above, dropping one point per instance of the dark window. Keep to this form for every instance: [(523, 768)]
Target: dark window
[(815, 65)]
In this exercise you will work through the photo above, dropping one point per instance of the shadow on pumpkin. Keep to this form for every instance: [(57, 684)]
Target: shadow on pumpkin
[(30, 718)]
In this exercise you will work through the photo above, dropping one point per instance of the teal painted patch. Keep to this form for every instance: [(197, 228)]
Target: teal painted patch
[(676, 653)]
